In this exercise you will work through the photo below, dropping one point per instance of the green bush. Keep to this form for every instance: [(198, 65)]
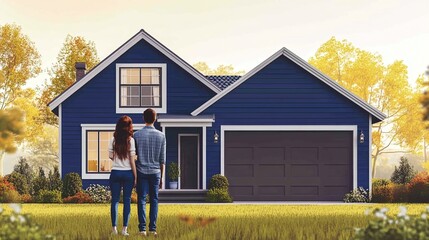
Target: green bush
[(402, 226), (217, 195), (382, 193), (218, 181), (10, 196), (72, 184), (404, 173), (20, 226), (418, 188), (173, 171), (357, 195), (47, 196), (19, 182), (40, 183), (377, 182), (98, 193), (400, 193)]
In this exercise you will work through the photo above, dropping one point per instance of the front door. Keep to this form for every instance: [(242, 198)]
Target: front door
[(189, 161)]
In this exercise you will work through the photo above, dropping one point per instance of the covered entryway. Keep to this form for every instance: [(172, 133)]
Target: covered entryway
[(292, 165)]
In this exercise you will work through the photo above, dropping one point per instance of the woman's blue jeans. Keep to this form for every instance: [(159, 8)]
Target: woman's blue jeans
[(121, 179)]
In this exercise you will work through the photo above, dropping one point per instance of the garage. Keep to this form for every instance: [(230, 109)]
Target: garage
[(291, 165)]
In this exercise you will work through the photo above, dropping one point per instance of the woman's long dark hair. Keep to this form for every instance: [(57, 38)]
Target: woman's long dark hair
[(123, 133)]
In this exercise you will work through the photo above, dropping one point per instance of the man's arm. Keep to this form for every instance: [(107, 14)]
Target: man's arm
[(162, 161)]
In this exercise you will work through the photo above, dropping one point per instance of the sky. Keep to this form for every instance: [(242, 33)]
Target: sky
[(241, 33)]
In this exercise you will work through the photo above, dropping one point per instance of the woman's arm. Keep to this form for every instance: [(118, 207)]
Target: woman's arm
[(133, 160)]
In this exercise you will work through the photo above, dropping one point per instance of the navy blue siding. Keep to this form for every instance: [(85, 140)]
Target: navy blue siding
[(94, 103), (283, 93)]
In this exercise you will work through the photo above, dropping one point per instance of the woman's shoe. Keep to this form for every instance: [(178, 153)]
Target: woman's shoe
[(124, 233)]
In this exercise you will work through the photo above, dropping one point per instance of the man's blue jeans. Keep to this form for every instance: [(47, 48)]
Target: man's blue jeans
[(121, 179), (147, 183)]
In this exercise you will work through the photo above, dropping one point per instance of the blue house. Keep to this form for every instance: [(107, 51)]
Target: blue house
[(283, 131)]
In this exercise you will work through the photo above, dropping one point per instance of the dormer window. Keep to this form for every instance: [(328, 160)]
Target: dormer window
[(141, 86)]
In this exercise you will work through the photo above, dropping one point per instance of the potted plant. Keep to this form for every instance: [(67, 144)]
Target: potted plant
[(173, 174)]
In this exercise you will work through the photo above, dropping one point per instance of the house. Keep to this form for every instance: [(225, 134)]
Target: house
[(283, 131)]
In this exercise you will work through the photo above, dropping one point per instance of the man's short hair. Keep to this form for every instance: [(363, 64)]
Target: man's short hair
[(149, 116)]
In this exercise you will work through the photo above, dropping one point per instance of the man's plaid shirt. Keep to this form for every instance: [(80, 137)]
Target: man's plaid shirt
[(150, 148)]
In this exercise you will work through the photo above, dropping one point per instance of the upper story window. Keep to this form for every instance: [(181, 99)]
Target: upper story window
[(141, 86)]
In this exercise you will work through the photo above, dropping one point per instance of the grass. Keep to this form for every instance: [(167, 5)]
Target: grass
[(92, 221)]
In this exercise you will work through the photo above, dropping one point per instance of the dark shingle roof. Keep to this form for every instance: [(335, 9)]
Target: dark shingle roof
[(222, 82)]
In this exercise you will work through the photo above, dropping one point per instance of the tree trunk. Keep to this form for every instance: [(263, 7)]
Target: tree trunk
[(1, 162), (375, 161)]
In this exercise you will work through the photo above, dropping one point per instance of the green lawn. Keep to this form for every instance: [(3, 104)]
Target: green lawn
[(92, 221)]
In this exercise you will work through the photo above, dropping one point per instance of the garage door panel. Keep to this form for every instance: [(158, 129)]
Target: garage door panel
[(270, 154), (270, 170), (304, 154), (289, 166)]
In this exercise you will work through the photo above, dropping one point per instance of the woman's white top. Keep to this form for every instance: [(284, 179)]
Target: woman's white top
[(124, 164)]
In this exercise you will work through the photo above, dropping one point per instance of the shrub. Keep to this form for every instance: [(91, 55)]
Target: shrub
[(377, 182), (20, 226), (218, 195), (26, 198), (404, 173), (418, 188), (10, 196), (382, 193), (400, 193), (134, 197), (72, 184), (357, 195), (19, 182), (25, 170), (80, 197), (173, 172), (98, 193), (54, 180), (47, 196), (40, 182), (218, 181), (402, 226), (5, 185)]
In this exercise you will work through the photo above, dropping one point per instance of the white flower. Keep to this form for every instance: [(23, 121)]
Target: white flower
[(402, 211), (407, 218), (21, 219), (1, 209), (384, 210), (12, 218), (380, 215), (367, 211), (424, 216), (390, 221), (15, 207)]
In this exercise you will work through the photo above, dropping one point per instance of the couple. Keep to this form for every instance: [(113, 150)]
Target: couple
[(145, 173)]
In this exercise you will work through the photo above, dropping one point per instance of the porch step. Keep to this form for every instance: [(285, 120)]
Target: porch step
[(184, 196)]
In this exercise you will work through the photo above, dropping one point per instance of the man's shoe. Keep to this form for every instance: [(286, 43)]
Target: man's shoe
[(153, 233), (143, 233)]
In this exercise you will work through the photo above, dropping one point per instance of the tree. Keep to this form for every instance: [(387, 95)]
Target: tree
[(43, 152), (19, 182), (385, 87), (425, 99), (55, 182), (19, 61), (40, 182), (404, 173), (11, 129), (63, 73), (25, 170), (220, 70)]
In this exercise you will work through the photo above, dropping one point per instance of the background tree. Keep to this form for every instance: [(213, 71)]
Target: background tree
[(19, 61), (63, 72), (11, 129), (43, 153), (404, 173), (425, 99), (19, 182), (40, 182), (385, 87), (25, 170), (220, 70), (54, 178)]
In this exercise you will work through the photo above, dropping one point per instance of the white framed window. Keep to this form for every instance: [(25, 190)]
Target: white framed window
[(96, 163), (141, 86)]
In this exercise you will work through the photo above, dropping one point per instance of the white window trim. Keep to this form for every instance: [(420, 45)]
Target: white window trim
[(198, 156), (352, 128), (96, 127), (163, 67)]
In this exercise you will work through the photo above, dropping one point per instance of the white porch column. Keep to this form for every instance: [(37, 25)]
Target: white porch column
[(163, 176), (204, 157)]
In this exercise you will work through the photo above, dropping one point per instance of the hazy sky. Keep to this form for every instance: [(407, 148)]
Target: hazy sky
[(241, 33)]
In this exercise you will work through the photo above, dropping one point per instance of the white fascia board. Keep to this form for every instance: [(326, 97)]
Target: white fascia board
[(121, 50), (306, 66)]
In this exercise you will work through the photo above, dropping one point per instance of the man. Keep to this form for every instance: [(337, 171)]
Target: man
[(150, 146)]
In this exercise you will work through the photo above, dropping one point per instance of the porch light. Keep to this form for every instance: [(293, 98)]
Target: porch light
[(216, 137), (361, 137)]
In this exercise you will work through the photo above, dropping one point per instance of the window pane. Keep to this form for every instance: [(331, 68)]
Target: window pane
[(130, 76), (147, 101), (155, 91), (146, 91), (105, 165), (156, 102), (155, 75), (150, 76), (92, 151), (105, 162), (130, 96)]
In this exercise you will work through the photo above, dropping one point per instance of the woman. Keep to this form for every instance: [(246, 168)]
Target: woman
[(122, 151)]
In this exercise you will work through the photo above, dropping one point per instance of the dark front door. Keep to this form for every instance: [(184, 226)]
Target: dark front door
[(189, 161), (289, 166)]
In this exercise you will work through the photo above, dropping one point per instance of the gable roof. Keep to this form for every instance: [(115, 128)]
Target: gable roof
[(306, 66), (222, 81), (121, 50)]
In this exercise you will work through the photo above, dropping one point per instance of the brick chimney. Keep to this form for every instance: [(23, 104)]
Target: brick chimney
[(80, 70)]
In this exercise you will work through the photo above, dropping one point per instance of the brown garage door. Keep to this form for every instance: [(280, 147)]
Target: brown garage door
[(289, 166)]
